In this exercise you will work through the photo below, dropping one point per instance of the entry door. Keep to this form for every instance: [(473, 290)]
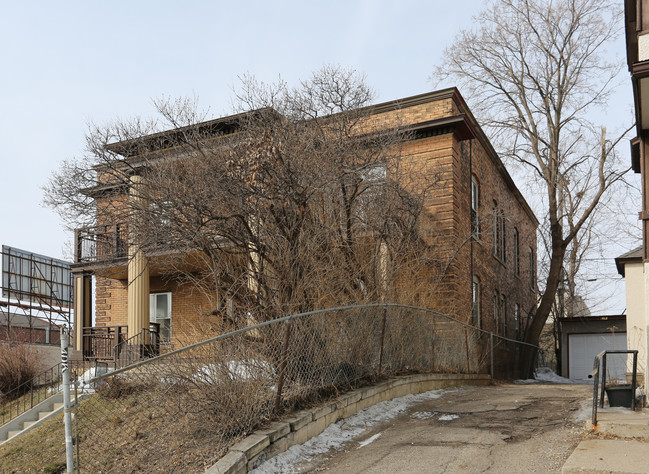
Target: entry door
[(582, 349), (160, 312)]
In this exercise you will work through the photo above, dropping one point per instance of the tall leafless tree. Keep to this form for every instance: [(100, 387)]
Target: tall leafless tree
[(305, 206), (536, 73)]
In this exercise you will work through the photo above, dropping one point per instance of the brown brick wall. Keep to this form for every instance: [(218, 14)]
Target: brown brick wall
[(447, 163), (495, 274), (189, 307)]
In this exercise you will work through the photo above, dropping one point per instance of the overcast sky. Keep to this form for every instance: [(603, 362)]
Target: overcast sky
[(65, 64)]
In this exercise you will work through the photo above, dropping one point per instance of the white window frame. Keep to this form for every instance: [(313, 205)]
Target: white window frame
[(475, 207), (503, 313), (153, 307), (475, 301), (517, 318)]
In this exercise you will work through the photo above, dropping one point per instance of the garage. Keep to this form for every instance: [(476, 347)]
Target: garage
[(583, 338), (582, 349)]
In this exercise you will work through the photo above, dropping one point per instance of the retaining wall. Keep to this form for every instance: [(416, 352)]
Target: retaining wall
[(299, 427)]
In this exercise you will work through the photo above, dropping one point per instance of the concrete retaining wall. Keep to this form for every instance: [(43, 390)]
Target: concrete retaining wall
[(264, 444)]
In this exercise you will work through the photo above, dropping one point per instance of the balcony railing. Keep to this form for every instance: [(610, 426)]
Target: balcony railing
[(100, 243), (99, 342), (111, 344)]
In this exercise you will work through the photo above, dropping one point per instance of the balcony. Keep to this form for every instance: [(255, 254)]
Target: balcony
[(100, 244), (111, 345)]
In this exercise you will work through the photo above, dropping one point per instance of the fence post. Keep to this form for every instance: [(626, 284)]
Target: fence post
[(385, 313), (69, 453), (491, 355), (282, 366), (603, 387), (466, 345), (76, 425)]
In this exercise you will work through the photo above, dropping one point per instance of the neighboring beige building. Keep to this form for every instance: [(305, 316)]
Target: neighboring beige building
[(631, 267), (635, 264)]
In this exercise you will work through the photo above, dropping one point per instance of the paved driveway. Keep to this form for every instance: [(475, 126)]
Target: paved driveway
[(500, 428)]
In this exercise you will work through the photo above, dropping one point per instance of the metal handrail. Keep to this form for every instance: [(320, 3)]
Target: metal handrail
[(101, 243), (138, 340), (32, 396), (599, 374)]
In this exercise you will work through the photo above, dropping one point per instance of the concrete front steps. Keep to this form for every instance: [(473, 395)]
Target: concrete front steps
[(31, 418), (624, 422), (626, 453)]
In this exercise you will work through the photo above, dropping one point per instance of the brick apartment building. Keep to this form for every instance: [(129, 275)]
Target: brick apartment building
[(483, 229)]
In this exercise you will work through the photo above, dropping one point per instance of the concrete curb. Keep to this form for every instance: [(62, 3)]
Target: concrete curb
[(264, 444)]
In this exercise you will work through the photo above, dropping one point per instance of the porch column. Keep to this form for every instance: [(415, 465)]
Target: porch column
[(138, 273), (82, 307), (138, 293)]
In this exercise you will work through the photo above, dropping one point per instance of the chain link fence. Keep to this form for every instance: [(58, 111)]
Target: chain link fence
[(181, 411)]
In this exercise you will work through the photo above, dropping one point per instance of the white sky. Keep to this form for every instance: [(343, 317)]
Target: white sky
[(63, 64)]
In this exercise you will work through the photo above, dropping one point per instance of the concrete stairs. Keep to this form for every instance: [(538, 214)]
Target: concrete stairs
[(32, 418)]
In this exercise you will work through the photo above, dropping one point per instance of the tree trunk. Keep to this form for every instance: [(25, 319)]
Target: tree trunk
[(545, 307)]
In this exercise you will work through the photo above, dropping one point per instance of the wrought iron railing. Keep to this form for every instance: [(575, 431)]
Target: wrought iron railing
[(143, 345), (101, 243), (111, 344), (599, 376), (99, 342), (27, 395)]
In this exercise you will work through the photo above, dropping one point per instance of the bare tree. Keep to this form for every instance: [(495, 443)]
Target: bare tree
[(536, 73), (296, 202)]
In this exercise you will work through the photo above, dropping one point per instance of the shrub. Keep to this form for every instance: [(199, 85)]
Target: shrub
[(18, 364)]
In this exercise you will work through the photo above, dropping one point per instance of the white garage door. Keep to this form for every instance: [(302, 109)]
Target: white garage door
[(582, 349)]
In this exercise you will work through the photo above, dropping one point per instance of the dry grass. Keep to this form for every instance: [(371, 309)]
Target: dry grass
[(183, 412), (36, 450), (18, 364)]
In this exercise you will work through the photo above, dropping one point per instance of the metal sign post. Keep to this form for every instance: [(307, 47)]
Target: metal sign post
[(67, 418)]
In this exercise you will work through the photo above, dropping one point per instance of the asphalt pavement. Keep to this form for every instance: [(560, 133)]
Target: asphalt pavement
[(531, 428)]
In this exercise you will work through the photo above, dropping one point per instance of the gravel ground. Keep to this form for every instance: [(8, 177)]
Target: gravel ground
[(500, 428)]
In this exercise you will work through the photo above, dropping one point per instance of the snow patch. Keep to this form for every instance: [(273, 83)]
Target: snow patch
[(235, 370), (337, 434), (448, 417), (83, 381), (369, 440), (584, 412), (545, 374), (423, 415)]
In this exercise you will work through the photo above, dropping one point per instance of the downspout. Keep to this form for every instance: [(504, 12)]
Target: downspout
[(471, 226)]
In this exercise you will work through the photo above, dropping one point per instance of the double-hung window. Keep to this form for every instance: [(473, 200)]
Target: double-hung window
[(517, 268), (475, 300), (499, 233), (160, 313), (475, 205)]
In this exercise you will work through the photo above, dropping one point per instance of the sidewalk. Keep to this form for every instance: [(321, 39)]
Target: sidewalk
[(629, 453)]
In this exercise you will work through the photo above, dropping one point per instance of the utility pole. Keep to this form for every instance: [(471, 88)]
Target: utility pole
[(67, 418)]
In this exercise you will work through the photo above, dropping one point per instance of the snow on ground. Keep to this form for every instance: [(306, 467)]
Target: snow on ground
[(585, 411), (545, 374), (345, 430), (369, 440), (423, 415), (448, 417), (236, 370), (84, 380)]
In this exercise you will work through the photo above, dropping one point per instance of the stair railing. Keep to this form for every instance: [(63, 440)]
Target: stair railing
[(27, 395), (143, 345)]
